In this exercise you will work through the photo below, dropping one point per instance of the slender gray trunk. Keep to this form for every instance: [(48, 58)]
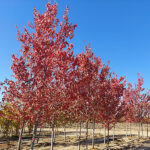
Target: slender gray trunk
[(34, 134), (79, 137), (39, 135), (139, 130), (108, 138), (20, 138), (126, 129), (80, 128), (93, 134), (55, 133), (64, 133), (77, 130), (24, 129), (52, 137), (142, 128), (100, 129), (147, 129), (114, 132), (86, 136), (12, 131), (130, 130), (104, 135)]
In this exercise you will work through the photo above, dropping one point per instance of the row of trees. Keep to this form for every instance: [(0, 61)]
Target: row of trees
[(51, 84)]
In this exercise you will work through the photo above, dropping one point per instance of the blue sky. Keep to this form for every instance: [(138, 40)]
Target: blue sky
[(118, 30)]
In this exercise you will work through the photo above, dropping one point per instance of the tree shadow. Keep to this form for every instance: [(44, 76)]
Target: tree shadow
[(144, 146)]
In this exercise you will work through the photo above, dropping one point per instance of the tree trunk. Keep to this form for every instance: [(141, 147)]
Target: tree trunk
[(52, 136), (20, 138), (12, 131), (108, 137), (93, 134), (130, 129), (147, 129), (7, 138), (24, 130), (126, 129), (86, 136), (104, 135), (39, 135), (139, 130), (34, 134), (64, 133), (100, 128), (77, 130), (79, 137), (142, 128), (114, 133)]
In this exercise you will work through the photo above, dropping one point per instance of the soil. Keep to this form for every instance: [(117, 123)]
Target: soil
[(121, 141)]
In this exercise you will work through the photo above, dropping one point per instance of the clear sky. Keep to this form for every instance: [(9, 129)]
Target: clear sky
[(118, 30)]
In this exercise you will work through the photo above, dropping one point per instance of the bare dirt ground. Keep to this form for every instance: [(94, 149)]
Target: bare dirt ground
[(121, 142)]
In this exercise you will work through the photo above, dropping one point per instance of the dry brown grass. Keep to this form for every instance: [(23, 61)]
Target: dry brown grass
[(71, 143)]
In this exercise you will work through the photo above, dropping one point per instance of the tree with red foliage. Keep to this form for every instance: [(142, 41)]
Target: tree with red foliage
[(84, 83), (136, 103), (40, 54), (17, 96), (112, 107), (146, 105)]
